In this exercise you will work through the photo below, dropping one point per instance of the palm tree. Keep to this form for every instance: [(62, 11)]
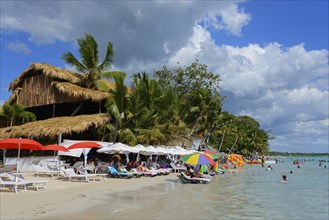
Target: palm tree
[(117, 104), (16, 112), (155, 110), (205, 108), (89, 64)]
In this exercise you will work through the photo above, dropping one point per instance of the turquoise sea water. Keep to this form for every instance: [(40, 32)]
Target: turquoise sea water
[(253, 193)]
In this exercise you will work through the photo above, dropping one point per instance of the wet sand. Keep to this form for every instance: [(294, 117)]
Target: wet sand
[(94, 200)]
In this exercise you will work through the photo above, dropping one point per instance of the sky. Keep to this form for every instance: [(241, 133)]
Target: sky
[(272, 56)]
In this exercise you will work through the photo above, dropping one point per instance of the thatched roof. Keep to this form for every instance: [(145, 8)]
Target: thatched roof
[(54, 126), (48, 70), (80, 92), (13, 96)]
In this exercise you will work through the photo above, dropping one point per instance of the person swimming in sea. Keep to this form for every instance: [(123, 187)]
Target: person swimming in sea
[(284, 179)]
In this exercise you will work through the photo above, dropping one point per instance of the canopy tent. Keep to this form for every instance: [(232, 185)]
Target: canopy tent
[(115, 148)]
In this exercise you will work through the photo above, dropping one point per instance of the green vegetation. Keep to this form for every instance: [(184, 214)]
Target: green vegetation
[(175, 107), (16, 114), (89, 66)]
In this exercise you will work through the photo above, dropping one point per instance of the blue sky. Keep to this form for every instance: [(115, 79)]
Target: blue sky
[(272, 56)]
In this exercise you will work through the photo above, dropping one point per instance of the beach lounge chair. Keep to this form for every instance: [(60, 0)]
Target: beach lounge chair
[(177, 169), (160, 171), (13, 184), (18, 177), (70, 174), (150, 173), (136, 174), (8, 168), (40, 170), (114, 173), (102, 176), (187, 179)]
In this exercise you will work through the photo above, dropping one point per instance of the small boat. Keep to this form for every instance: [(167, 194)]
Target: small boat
[(254, 161), (270, 162)]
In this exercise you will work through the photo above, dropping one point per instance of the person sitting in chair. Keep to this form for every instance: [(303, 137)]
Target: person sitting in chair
[(141, 168)]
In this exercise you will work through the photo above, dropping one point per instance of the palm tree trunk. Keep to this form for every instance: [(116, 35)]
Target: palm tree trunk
[(221, 143), (197, 122), (115, 131), (236, 139)]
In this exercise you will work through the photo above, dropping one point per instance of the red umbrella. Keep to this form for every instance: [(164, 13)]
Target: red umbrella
[(55, 147), (84, 144), (20, 143)]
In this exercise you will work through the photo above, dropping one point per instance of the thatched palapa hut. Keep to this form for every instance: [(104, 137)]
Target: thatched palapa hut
[(50, 91), (59, 101)]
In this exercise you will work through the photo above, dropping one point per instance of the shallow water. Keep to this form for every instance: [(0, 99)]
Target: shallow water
[(252, 193)]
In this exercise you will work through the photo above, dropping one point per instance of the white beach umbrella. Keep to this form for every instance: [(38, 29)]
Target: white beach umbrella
[(115, 148), (136, 149), (161, 150), (150, 150)]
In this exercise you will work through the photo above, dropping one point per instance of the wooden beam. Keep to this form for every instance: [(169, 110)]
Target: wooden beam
[(77, 109), (54, 110)]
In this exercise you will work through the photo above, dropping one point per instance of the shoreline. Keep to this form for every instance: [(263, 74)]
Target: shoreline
[(70, 200)]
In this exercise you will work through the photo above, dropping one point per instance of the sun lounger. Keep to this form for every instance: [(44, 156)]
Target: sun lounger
[(160, 171), (8, 168), (187, 179), (114, 173), (102, 176), (18, 177), (177, 169), (40, 170), (146, 173), (136, 174), (70, 174), (14, 185)]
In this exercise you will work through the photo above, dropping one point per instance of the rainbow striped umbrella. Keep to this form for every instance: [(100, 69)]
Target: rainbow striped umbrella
[(211, 155), (197, 159)]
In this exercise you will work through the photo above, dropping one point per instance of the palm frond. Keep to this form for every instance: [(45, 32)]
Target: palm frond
[(88, 49), (127, 136), (106, 64), (72, 61)]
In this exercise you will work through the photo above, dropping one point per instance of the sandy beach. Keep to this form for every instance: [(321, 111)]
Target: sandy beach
[(71, 200)]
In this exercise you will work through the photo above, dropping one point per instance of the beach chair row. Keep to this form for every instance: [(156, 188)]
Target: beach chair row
[(18, 183)]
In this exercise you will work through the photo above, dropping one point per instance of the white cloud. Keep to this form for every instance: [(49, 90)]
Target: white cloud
[(234, 24), (19, 47), (139, 30), (286, 89)]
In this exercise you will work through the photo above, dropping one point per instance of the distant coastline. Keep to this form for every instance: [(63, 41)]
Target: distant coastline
[(274, 153)]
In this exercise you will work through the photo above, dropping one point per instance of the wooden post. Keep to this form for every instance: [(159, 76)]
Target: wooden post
[(59, 138), (54, 110)]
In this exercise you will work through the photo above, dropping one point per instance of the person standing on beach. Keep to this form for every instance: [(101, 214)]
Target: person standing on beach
[(262, 161)]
